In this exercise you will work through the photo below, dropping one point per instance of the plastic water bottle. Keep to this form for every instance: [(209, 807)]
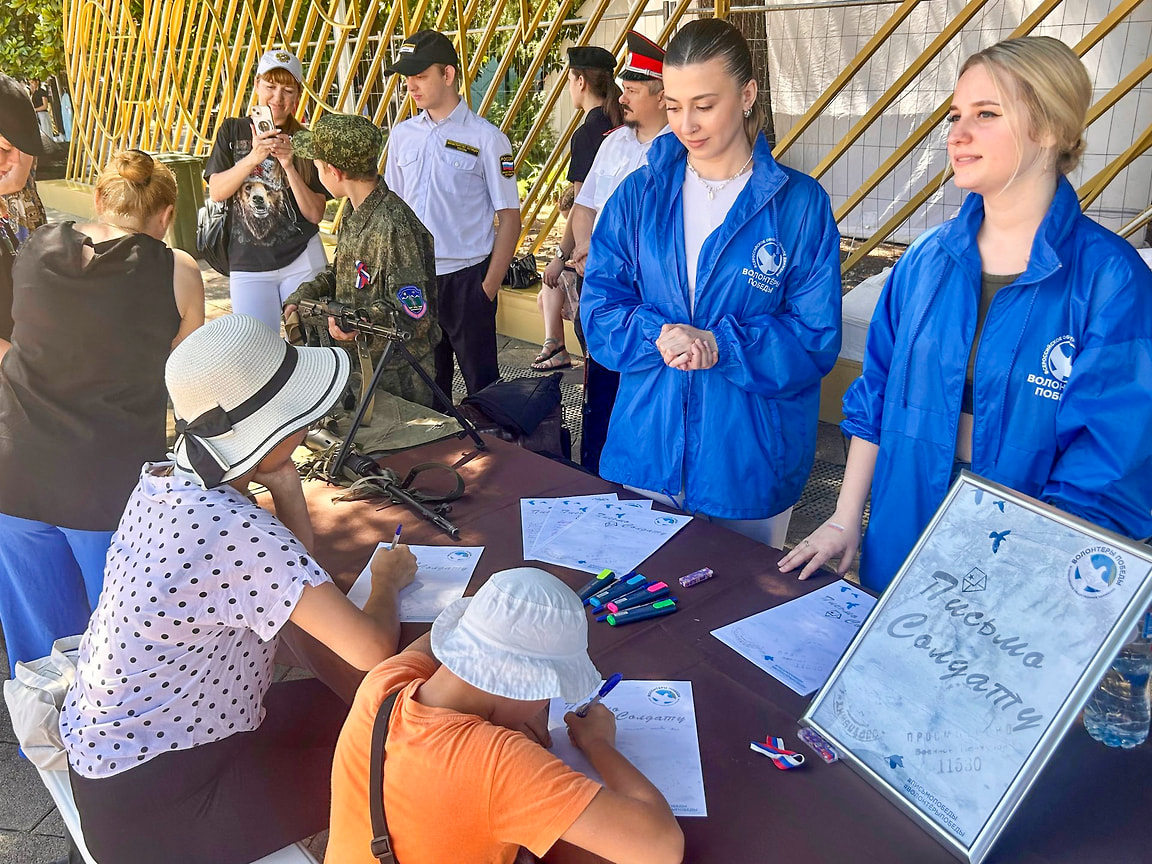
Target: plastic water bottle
[(1118, 713)]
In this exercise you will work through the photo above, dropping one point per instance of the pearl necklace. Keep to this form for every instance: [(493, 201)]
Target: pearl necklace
[(707, 184)]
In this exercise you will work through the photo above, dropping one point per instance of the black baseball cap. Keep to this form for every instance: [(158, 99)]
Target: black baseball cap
[(421, 50), (591, 57), (18, 118)]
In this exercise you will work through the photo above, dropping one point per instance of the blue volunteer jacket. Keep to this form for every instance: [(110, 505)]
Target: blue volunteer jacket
[(738, 438), (1062, 383)]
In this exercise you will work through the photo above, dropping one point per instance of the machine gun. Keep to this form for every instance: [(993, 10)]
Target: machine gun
[(352, 320), (385, 480)]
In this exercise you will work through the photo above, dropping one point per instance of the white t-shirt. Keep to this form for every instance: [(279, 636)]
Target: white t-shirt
[(702, 216)]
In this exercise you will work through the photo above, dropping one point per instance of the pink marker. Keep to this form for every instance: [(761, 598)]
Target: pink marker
[(639, 597)]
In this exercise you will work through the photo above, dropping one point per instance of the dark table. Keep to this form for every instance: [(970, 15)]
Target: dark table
[(1091, 803)]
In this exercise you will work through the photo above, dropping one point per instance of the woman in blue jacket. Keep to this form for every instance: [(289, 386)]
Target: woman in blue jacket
[(713, 287), (1015, 339)]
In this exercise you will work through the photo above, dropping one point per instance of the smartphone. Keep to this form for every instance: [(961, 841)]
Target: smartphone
[(262, 119)]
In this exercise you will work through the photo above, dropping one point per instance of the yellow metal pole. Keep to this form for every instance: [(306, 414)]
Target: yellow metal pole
[(1095, 186), (897, 219)]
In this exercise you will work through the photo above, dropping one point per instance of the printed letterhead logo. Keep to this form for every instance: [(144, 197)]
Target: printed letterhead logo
[(1096, 571), (459, 555), (664, 520), (769, 260), (663, 696)]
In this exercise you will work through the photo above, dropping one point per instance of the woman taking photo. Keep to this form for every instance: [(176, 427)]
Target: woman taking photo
[(180, 747), (97, 309), (1014, 339), (276, 199), (593, 90), (713, 287)]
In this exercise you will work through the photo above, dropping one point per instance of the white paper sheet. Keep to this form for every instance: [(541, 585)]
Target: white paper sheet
[(618, 536), (442, 574), (534, 512), (656, 731), (799, 642), (566, 511)]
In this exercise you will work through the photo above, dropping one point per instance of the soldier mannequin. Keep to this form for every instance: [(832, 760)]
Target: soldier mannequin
[(384, 262)]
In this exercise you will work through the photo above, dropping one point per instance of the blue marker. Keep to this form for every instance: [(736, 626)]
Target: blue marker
[(639, 597), (602, 580), (601, 598), (583, 710), (639, 613)]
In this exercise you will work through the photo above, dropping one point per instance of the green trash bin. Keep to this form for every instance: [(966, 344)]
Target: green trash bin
[(189, 172)]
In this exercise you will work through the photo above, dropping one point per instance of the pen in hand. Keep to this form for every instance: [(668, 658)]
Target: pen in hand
[(583, 710), (396, 539)]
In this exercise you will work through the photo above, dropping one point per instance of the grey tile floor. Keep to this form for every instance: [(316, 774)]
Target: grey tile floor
[(31, 831)]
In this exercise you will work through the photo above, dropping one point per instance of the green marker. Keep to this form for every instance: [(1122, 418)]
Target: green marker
[(639, 613)]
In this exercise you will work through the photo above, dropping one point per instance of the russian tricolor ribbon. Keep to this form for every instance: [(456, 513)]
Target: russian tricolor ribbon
[(783, 759)]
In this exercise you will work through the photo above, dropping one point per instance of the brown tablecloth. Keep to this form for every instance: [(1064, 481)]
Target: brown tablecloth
[(1091, 804)]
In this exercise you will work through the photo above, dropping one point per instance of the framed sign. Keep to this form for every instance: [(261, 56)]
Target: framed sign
[(979, 656)]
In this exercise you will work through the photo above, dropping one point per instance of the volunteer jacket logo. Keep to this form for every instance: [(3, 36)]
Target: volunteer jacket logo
[(769, 260)]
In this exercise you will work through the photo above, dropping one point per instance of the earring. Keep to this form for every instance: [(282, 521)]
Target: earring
[(747, 113)]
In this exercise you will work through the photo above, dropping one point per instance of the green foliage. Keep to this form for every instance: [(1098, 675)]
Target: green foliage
[(31, 38)]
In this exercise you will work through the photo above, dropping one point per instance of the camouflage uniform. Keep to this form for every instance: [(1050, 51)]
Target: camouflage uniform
[(384, 262)]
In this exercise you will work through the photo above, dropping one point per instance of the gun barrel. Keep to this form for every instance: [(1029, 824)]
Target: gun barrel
[(349, 320)]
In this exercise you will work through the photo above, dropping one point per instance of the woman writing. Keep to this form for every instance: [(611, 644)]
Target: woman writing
[(593, 90), (1015, 339), (713, 286), (97, 309), (180, 747), (276, 199)]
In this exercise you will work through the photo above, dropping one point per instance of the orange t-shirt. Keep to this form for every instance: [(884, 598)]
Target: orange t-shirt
[(456, 788)]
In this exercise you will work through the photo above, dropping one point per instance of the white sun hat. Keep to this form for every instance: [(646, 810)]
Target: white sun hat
[(278, 58), (523, 636), (238, 390)]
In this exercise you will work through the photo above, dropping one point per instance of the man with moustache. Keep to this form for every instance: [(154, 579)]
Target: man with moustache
[(624, 150)]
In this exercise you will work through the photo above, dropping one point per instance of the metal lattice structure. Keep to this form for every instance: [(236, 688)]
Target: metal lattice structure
[(160, 76)]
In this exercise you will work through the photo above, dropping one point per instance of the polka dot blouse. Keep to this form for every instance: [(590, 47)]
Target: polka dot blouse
[(179, 651)]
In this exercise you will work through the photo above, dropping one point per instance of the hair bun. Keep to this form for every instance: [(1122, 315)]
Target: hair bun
[(135, 166)]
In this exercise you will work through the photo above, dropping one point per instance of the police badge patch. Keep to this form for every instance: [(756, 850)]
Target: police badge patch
[(508, 165), (412, 299)]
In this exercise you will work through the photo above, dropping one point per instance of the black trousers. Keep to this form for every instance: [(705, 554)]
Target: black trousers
[(468, 329), (600, 386), (229, 802)]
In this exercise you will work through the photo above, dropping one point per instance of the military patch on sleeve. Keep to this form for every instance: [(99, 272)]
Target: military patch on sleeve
[(412, 299), (461, 147), (508, 165)]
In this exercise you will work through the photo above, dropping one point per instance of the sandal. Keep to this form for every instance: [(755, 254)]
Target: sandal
[(550, 360)]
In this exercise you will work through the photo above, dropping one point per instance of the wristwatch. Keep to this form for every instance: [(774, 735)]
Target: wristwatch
[(560, 254)]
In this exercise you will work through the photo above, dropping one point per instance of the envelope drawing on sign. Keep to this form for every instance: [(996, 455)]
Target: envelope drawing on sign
[(655, 731), (534, 511), (617, 537), (442, 575)]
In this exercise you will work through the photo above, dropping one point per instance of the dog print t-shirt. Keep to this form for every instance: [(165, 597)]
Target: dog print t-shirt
[(268, 230)]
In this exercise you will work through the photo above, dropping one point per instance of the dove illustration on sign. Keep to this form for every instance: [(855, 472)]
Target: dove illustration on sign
[(999, 504), (895, 761), (998, 537)]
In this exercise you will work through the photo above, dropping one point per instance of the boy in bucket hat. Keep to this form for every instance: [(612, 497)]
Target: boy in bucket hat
[(180, 746), (384, 261), (465, 775)]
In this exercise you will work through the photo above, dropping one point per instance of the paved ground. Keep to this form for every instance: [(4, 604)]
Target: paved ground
[(31, 831)]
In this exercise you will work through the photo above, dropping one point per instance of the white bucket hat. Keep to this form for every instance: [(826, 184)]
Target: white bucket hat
[(523, 636), (278, 58), (238, 390)]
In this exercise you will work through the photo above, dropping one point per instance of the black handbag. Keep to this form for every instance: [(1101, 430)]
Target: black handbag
[(213, 232), (522, 272)]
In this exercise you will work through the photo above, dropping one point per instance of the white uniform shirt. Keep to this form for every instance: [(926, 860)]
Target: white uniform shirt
[(619, 155), (455, 175), (702, 216)]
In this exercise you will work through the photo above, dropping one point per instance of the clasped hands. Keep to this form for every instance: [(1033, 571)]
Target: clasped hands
[(687, 348)]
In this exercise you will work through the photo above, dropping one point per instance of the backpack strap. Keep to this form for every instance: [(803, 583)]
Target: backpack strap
[(381, 842)]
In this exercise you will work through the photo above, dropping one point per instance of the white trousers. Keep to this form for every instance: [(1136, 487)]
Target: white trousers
[(772, 531), (262, 295)]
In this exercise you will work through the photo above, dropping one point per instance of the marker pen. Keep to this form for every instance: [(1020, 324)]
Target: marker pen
[(647, 594), (623, 586), (639, 613), (602, 580)]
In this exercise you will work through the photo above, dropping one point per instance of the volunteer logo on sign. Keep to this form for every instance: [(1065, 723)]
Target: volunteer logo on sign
[(664, 696), (1094, 572), (769, 260)]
